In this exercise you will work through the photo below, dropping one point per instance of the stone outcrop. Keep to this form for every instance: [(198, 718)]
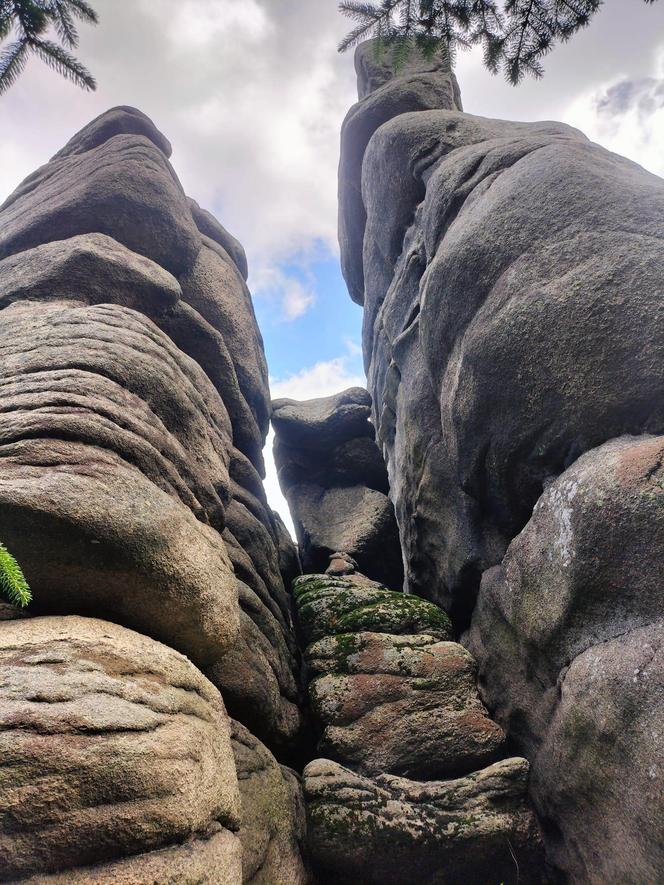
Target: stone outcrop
[(511, 280), (500, 234), (135, 407), (505, 470), (570, 630), (395, 698), (273, 831), (394, 831), (116, 753), (403, 704), (334, 479)]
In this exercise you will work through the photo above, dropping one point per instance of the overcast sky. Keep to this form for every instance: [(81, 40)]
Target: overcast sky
[(251, 93)]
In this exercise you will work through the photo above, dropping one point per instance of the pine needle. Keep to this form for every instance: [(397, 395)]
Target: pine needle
[(515, 35), (12, 580), (31, 21)]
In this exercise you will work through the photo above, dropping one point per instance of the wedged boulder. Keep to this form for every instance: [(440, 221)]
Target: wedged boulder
[(388, 690), (405, 705), (329, 605), (568, 634), (475, 829), (114, 746), (353, 462), (273, 831), (334, 479), (122, 186), (324, 422), (358, 520)]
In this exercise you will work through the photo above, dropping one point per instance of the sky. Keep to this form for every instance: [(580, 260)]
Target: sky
[(252, 94)]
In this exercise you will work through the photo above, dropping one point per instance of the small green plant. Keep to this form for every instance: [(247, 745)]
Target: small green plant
[(12, 580)]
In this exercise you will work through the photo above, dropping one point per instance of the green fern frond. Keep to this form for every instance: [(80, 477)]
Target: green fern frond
[(12, 580)]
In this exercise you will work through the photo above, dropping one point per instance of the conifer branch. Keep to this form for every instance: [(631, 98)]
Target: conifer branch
[(12, 580), (31, 20), (515, 35), (13, 60)]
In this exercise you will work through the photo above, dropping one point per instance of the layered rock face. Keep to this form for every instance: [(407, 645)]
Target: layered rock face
[(414, 785), (569, 630), (334, 479), (413, 789), (511, 280), (134, 412)]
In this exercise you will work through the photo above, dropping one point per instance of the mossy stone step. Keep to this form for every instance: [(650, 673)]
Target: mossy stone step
[(328, 606)]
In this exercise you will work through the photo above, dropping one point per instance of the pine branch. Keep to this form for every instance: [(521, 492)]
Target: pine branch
[(31, 20), (514, 34), (64, 63), (83, 10), (374, 21), (12, 580), (6, 18), (356, 36), (12, 62), (64, 23)]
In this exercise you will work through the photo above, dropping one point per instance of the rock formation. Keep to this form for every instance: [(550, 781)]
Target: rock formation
[(511, 280), (397, 706), (135, 408), (474, 652), (335, 482)]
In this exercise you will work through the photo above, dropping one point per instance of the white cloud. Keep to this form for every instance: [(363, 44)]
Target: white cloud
[(251, 93), (296, 300), (200, 23), (626, 115), (292, 297), (321, 379)]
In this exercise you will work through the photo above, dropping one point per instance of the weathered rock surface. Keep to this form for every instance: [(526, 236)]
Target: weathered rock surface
[(420, 85), (407, 705), (102, 186), (568, 632), (273, 831), (335, 481), (511, 281), (135, 409), (476, 829), (214, 859), (113, 745), (498, 234), (393, 696)]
